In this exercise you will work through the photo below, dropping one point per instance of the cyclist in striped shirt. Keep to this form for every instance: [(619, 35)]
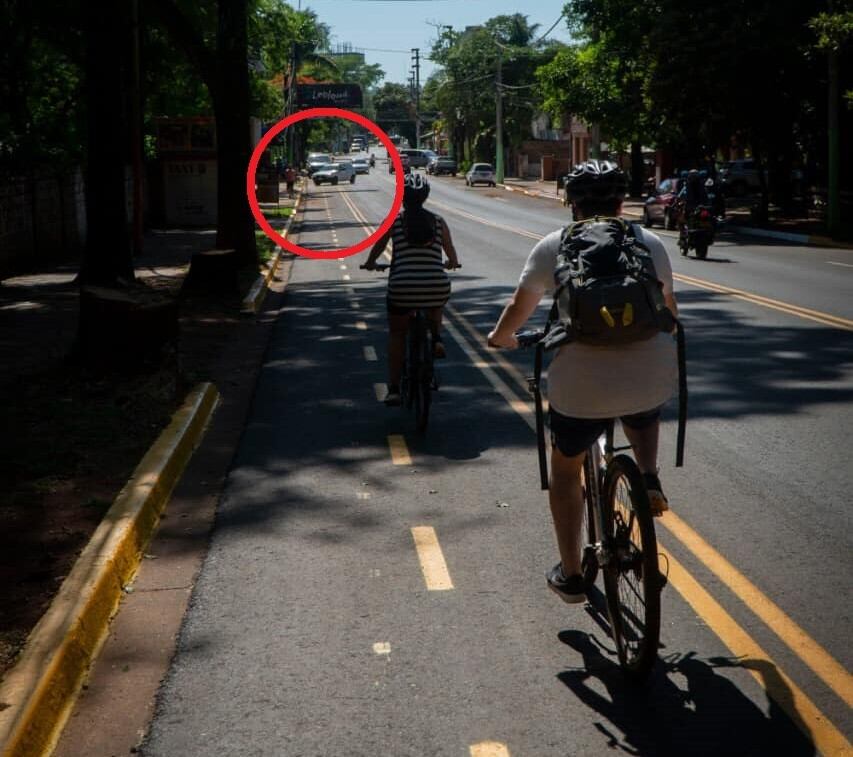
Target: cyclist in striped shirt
[(418, 274)]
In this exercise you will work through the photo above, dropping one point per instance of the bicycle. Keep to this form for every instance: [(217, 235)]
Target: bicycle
[(419, 378), (620, 540)]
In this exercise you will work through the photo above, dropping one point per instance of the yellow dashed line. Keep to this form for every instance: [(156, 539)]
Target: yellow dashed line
[(433, 566), (399, 451), (382, 648)]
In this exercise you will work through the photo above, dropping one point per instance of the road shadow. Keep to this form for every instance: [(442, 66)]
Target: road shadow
[(688, 707), (738, 364)]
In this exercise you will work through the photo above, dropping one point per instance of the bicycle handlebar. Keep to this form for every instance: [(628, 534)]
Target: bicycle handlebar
[(529, 338)]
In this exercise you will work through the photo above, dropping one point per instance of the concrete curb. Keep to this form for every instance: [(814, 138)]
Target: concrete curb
[(816, 240), (37, 694), (258, 291)]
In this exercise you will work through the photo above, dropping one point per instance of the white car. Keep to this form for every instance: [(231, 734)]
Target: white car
[(361, 165), (334, 173), (481, 173)]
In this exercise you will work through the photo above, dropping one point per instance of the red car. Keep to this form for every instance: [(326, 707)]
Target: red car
[(660, 205)]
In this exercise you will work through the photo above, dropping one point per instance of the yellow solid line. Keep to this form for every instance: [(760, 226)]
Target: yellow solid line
[(521, 407), (793, 701), (807, 649), (478, 339), (819, 660), (433, 566), (488, 749), (757, 299), (399, 451)]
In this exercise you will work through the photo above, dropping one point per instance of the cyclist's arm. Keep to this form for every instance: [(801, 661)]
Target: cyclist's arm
[(522, 305), (447, 243), (377, 250)]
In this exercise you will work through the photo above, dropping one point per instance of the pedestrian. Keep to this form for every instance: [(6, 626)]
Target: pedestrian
[(290, 180)]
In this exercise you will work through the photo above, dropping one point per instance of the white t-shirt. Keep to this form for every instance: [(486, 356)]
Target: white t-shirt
[(586, 381)]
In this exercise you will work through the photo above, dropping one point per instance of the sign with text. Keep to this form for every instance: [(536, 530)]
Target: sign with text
[(328, 95)]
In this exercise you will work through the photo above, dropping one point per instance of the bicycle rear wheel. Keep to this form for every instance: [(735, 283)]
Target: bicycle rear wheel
[(631, 577), (423, 383)]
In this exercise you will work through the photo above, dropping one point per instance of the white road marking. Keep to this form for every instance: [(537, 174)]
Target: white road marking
[(833, 262), (370, 354), (382, 648)]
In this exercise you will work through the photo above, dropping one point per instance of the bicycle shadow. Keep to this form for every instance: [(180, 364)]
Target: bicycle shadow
[(706, 715)]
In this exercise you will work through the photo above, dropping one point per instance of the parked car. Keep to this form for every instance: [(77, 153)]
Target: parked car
[(361, 165), (660, 205), (317, 160), (334, 173), (442, 164), (481, 173), (739, 177), (404, 159)]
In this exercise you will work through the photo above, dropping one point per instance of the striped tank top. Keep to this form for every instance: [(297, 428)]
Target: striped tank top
[(417, 278)]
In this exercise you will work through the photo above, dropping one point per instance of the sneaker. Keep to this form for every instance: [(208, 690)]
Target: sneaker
[(393, 398), (657, 499), (438, 351), (570, 590)]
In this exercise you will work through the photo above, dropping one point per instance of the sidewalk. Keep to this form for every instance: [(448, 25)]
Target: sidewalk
[(71, 436), (738, 217)]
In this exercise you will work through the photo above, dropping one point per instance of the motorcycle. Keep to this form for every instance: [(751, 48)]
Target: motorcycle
[(697, 231)]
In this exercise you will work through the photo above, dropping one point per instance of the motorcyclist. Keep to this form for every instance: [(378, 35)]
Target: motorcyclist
[(691, 195)]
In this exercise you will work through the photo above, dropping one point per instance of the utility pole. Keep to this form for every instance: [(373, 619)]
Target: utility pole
[(416, 54), (499, 117)]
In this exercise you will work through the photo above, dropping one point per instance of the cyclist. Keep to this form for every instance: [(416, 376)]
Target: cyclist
[(588, 385), (417, 277)]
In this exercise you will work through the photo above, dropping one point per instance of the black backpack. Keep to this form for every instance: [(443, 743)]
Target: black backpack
[(608, 292)]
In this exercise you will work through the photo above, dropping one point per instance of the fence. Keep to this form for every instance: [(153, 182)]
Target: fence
[(42, 218)]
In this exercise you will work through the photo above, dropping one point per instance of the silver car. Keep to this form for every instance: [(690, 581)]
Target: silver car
[(334, 173), (361, 165), (481, 173)]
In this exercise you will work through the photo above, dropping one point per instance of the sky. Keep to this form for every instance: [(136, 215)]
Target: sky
[(377, 26)]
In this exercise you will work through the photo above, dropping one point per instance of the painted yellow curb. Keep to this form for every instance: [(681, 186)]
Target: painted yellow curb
[(37, 694), (253, 300)]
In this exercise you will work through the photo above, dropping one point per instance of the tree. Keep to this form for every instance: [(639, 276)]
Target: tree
[(224, 67)]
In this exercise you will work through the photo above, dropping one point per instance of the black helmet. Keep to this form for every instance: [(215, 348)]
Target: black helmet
[(415, 189), (596, 180)]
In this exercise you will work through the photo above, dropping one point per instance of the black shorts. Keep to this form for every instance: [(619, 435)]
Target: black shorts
[(574, 435)]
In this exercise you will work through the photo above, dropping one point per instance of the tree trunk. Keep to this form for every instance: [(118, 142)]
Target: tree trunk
[(638, 169), (108, 257), (235, 227)]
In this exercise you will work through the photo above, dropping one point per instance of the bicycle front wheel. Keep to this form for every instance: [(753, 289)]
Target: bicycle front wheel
[(631, 577)]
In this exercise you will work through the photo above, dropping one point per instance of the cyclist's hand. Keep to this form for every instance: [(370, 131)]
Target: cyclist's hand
[(502, 342), (368, 266), (451, 264)]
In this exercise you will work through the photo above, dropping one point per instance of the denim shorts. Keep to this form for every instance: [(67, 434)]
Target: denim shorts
[(575, 435)]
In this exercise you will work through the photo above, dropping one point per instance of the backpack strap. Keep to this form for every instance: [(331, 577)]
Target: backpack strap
[(682, 394)]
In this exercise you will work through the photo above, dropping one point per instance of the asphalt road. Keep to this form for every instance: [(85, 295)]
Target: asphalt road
[(372, 592)]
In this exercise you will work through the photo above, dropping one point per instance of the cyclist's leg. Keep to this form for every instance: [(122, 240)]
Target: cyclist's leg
[(570, 437), (434, 315), (566, 499), (642, 431), (398, 323)]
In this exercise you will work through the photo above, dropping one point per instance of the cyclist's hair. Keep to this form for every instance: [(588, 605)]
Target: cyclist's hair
[(591, 207), (418, 224)]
